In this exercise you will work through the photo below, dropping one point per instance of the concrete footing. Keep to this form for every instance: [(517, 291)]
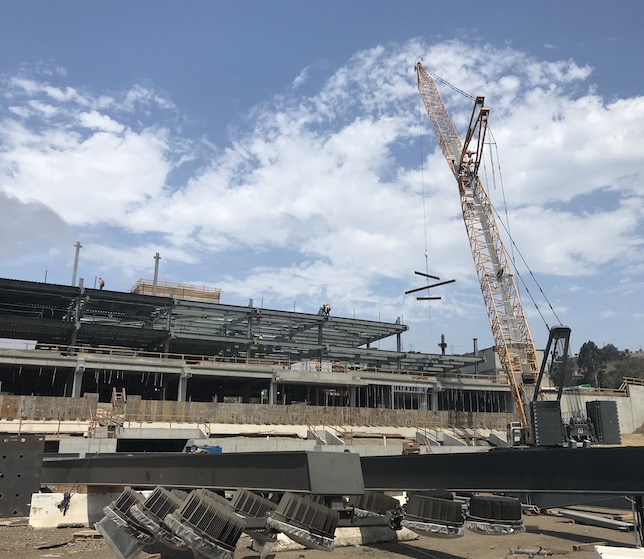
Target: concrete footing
[(51, 510), (345, 537)]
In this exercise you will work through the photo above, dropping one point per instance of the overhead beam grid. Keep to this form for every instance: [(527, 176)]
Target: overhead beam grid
[(79, 316)]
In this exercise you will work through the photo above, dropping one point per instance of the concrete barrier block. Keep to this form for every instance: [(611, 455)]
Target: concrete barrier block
[(84, 509)]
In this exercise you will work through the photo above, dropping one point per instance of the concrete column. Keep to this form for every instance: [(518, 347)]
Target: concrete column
[(422, 400), (182, 387), (272, 393), (352, 396), (434, 400), (78, 380)]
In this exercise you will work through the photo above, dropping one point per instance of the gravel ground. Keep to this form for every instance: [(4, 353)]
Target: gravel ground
[(554, 534)]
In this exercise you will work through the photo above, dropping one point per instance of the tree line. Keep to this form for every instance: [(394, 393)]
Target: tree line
[(606, 367)]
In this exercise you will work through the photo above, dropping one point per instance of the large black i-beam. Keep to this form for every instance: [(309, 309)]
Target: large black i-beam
[(319, 473), (603, 471), (607, 471)]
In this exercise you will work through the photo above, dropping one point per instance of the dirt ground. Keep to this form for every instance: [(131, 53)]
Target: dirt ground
[(553, 534)]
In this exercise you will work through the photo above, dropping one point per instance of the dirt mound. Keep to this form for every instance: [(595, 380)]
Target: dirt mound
[(633, 439), (639, 430)]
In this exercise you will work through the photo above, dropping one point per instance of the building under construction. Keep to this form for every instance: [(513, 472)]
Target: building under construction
[(172, 352), (180, 343)]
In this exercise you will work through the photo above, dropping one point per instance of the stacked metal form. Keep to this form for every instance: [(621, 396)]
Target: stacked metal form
[(153, 511), (374, 503), (255, 509), (125, 536), (434, 516), (494, 515), (305, 521), (207, 524)]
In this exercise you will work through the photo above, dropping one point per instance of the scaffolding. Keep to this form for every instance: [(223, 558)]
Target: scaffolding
[(184, 291)]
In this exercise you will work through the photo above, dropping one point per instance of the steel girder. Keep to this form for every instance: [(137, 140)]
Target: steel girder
[(319, 473), (602, 471), (608, 471)]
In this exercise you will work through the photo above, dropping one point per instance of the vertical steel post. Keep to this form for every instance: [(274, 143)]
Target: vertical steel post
[(156, 273), (78, 247), (639, 520)]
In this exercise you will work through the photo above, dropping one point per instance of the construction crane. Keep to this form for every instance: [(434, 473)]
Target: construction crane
[(512, 337)]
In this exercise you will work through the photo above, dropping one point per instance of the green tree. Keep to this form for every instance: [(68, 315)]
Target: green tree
[(592, 364), (556, 371), (611, 353)]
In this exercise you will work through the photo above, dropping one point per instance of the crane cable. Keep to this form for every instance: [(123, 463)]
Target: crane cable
[(506, 224), (422, 180), (445, 82), (506, 228)]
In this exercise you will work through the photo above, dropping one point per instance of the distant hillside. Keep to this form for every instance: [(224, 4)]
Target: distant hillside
[(607, 366), (631, 365)]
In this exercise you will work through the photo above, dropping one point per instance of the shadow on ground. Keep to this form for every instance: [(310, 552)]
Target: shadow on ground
[(576, 538)]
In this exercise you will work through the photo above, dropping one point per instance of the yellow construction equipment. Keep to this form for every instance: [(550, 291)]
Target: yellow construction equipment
[(510, 330)]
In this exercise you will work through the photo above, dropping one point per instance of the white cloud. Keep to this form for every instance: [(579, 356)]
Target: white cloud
[(332, 182), (141, 96), (301, 77), (99, 121), (33, 87), (44, 110), (86, 180)]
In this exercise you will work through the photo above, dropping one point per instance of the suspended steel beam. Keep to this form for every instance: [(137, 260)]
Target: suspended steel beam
[(429, 286), (426, 275)]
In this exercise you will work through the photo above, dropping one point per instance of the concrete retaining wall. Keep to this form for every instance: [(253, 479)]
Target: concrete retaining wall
[(41, 408), (137, 410), (82, 446), (630, 409), (47, 407), (299, 414)]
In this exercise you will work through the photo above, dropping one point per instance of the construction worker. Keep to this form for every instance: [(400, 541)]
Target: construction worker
[(101, 283)]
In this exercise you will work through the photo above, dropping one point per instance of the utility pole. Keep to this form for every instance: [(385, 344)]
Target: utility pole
[(78, 247), (156, 273)]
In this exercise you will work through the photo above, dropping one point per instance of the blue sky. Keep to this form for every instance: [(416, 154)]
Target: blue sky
[(279, 151)]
